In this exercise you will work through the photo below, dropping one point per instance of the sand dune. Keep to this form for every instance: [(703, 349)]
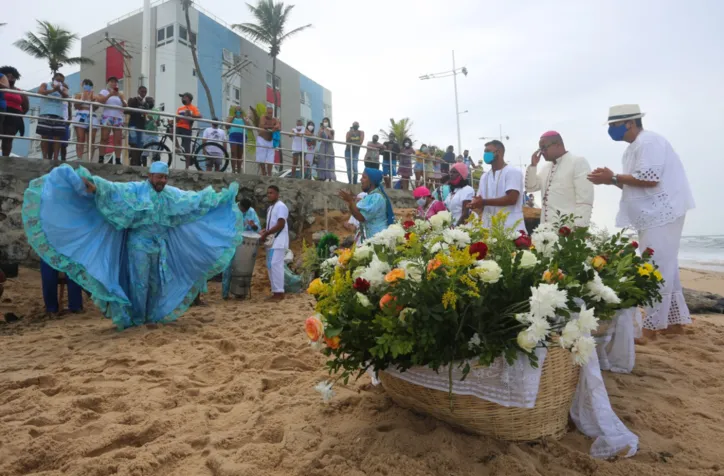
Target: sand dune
[(227, 390)]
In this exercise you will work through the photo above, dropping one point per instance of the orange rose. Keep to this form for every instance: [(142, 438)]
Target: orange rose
[(332, 342), (548, 277), (387, 301), (598, 262), (394, 275), (314, 328), (433, 264)]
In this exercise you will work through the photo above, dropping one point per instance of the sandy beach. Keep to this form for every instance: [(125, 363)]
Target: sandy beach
[(227, 390)]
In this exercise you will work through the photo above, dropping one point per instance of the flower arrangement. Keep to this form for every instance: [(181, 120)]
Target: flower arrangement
[(424, 294)]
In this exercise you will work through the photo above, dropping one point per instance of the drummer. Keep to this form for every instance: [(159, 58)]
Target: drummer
[(251, 225)]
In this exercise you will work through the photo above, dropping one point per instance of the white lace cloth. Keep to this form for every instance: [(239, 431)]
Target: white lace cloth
[(517, 386), (616, 349)]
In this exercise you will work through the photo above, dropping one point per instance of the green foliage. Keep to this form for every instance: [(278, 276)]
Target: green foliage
[(52, 44)]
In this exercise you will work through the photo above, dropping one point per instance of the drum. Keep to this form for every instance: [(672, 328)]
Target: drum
[(242, 267)]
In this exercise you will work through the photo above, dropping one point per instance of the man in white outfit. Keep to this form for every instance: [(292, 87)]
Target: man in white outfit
[(654, 200), (276, 238), (500, 189), (563, 181)]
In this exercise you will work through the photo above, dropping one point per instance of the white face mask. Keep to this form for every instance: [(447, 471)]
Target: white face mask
[(421, 202), (326, 124), (310, 128), (57, 83)]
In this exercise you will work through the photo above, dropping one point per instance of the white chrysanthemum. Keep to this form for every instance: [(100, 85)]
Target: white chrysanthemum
[(528, 259), (325, 388), (456, 237), (583, 349), (388, 237), (587, 322), (422, 225), (438, 247), (441, 219), (327, 267), (474, 341), (546, 298), (527, 340), (539, 328), (363, 252), (545, 242), (413, 270), (523, 317), (491, 271), (600, 292), (375, 272), (571, 333), (363, 300)]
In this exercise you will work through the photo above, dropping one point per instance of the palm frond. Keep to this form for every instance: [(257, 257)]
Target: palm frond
[(269, 27), (52, 44)]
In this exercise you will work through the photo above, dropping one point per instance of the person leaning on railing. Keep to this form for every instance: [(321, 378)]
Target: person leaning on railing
[(183, 126), (112, 119), (50, 126), (16, 104), (82, 118), (238, 138)]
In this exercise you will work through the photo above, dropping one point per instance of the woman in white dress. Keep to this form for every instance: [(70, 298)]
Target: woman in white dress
[(461, 194)]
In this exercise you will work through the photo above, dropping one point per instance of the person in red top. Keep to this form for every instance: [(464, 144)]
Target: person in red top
[(183, 126), (16, 104)]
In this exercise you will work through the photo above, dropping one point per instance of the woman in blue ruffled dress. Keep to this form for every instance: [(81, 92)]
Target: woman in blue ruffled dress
[(144, 250), (374, 212)]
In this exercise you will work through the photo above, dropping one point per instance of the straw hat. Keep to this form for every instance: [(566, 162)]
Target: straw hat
[(624, 112)]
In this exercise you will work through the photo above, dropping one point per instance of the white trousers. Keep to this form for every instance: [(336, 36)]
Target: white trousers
[(264, 151), (275, 267), (672, 309)]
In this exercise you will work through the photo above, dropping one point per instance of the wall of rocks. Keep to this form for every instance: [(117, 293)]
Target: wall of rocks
[(303, 197)]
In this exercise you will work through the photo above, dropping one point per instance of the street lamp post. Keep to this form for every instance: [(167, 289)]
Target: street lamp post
[(500, 137), (454, 73)]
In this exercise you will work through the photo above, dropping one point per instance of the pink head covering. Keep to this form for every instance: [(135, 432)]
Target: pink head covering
[(421, 192), (550, 134), (462, 169)]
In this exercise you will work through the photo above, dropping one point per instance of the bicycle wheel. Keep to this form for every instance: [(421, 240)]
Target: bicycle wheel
[(201, 162), (154, 152)]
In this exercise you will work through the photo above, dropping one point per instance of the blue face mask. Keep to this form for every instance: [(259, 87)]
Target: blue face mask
[(489, 157), (617, 132), (421, 202), (87, 87), (237, 113)]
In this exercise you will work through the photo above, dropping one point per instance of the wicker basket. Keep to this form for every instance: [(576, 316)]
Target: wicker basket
[(549, 417)]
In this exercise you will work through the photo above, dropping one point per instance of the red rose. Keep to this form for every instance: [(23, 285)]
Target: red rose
[(407, 236), (408, 224), (634, 244), (479, 250), (649, 251), (523, 242), (361, 285), (564, 231)]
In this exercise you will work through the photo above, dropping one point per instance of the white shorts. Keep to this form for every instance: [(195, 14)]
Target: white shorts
[(80, 119), (264, 151)]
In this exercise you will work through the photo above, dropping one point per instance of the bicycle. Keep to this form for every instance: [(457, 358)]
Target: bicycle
[(156, 149)]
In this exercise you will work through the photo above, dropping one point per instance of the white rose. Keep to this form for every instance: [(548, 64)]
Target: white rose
[(491, 271), (363, 300), (526, 340), (413, 271), (406, 313), (528, 259), (441, 219), (363, 252)]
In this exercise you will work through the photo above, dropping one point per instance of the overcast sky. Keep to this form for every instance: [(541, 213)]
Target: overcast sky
[(533, 66)]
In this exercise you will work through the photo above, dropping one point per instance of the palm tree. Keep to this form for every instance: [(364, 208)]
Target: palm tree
[(400, 129), (52, 44), (186, 5), (270, 30)]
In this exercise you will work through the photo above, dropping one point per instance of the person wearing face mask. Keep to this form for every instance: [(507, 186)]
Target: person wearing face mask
[(427, 205), (389, 158), (155, 255), (112, 119), (563, 181), (351, 153), (82, 119), (15, 104), (372, 156), (405, 161), (237, 138), (310, 144), (420, 159), (461, 194), (500, 189), (655, 197), (137, 124), (214, 154), (49, 126), (325, 168), (297, 145), (374, 212), (151, 128), (189, 112)]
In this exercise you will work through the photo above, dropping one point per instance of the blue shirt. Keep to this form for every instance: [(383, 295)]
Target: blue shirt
[(374, 208), (251, 215)]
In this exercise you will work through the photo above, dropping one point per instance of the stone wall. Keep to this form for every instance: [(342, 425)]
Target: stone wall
[(303, 197)]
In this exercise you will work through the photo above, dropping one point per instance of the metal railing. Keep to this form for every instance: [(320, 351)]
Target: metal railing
[(322, 149)]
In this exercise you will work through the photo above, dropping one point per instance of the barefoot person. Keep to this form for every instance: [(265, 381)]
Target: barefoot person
[(264, 142), (144, 250), (655, 196), (562, 181), (276, 239)]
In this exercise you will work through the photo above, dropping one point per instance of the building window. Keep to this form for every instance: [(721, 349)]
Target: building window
[(269, 81), (192, 38), (193, 72), (163, 68), (185, 36), (164, 35), (301, 97), (161, 107), (237, 94)]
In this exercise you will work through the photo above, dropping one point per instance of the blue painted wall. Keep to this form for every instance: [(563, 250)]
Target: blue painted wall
[(316, 97), (211, 40), (21, 147)]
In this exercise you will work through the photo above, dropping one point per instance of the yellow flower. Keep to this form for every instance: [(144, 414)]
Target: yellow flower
[(643, 271), (449, 299), (433, 264), (649, 267), (549, 277), (657, 275), (344, 256), (316, 287), (394, 275), (598, 262)]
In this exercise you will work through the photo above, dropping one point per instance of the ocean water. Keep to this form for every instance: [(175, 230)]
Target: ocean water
[(705, 252)]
